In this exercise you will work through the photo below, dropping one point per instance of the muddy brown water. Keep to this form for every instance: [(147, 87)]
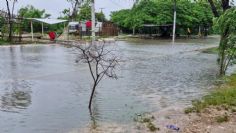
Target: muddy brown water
[(43, 89)]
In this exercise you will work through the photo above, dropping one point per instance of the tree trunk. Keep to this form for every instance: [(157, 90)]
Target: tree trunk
[(9, 22), (222, 48), (91, 96), (133, 31), (10, 31), (75, 10), (222, 55), (222, 60), (225, 4), (213, 8)]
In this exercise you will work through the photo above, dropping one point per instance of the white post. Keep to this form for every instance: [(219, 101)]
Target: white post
[(32, 30), (174, 23), (68, 33), (42, 30), (64, 29), (93, 20)]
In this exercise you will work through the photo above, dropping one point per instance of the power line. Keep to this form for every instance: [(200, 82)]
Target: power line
[(101, 9)]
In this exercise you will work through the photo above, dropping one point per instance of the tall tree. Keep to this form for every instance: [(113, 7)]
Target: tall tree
[(213, 8), (75, 5), (190, 14), (85, 13), (32, 12)]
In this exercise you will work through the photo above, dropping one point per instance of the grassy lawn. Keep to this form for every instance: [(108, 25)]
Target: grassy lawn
[(223, 96)]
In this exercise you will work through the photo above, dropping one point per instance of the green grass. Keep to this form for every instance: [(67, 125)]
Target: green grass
[(225, 95), (211, 50), (221, 119), (146, 119), (3, 42)]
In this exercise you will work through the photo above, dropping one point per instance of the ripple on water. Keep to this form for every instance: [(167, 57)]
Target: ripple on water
[(50, 92)]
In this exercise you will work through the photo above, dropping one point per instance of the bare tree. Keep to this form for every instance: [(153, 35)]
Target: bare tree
[(10, 17), (101, 61)]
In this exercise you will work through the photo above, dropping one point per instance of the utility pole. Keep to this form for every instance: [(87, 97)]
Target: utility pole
[(101, 9), (93, 19), (174, 23)]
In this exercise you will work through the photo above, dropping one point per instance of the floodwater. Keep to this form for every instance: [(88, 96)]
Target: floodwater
[(44, 90)]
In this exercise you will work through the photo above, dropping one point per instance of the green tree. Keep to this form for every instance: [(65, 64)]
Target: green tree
[(141, 13), (85, 14), (190, 14), (2, 23), (227, 47), (31, 12), (218, 8), (100, 16), (120, 17)]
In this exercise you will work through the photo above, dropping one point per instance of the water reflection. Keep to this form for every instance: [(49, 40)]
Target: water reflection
[(94, 113), (51, 92), (17, 92), (17, 96), (16, 99)]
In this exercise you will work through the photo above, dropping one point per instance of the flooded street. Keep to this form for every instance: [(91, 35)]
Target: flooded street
[(44, 90)]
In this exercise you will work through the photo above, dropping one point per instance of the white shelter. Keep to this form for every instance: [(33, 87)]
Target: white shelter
[(45, 20)]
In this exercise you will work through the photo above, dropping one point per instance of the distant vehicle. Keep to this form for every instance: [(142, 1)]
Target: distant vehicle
[(73, 27), (98, 27)]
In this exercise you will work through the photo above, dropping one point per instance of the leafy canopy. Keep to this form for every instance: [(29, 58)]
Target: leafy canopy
[(31, 12), (84, 13), (190, 14)]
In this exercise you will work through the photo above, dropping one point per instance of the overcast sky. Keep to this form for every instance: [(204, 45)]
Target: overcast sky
[(54, 7)]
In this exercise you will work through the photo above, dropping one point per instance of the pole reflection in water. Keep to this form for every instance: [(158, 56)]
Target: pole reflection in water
[(17, 95), (16, 99)]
